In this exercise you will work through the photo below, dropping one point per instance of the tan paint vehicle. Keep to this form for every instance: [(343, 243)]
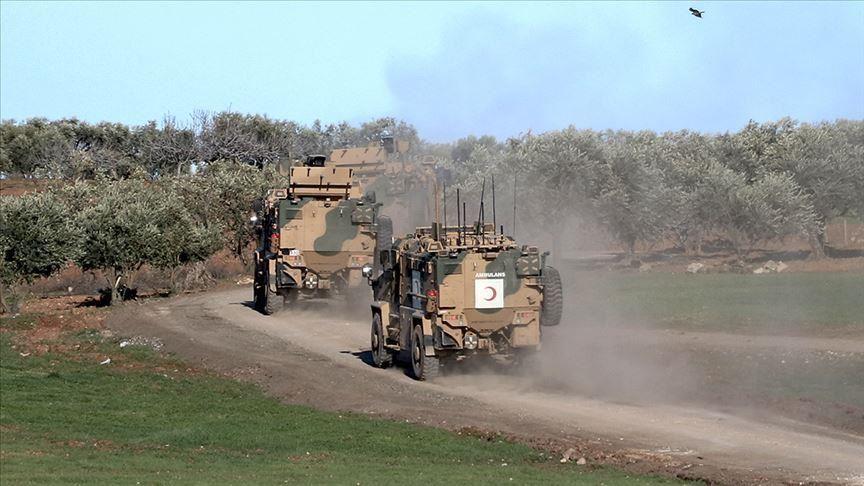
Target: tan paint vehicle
[(317, 237), (399, 177), (461, 294)]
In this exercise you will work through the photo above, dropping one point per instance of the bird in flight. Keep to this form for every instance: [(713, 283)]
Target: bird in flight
[(696, 13)]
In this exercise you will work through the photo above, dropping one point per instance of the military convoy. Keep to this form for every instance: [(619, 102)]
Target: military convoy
[(317, 236), (442, 294), (447, 294)]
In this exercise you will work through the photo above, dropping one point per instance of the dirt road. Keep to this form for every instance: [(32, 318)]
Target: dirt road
[(320, 359)]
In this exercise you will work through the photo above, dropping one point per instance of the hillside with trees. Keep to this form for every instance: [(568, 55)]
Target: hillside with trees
[(115, 198)]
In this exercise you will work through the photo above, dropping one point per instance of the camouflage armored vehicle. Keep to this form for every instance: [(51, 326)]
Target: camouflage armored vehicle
[(446, 296), (317, 237), (402, 179)]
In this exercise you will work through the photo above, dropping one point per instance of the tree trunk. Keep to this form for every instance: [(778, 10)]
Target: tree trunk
[(817, 246), (631, 248), (3, 308), (172, 280), (116, 297)]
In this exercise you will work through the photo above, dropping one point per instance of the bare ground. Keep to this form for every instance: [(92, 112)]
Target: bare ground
[(637, 416)]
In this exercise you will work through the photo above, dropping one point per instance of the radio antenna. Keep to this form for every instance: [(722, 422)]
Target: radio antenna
[(436, 230), (515, 176), (494, 220), (482, 197), (458, 219), (444, 187), (464, 214)]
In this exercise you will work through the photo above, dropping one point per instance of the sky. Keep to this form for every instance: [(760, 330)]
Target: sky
[(451, 69)]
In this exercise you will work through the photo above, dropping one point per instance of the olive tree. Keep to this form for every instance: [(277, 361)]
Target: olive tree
[(131, 223), (184, 238), (827, 162), (770, 208), (221, 196), (632, 196), (166, 149), (38, 237), (557, 175)]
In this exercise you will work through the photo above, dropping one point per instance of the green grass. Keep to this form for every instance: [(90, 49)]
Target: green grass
[(68, 421), (761, 304), (18, 322)]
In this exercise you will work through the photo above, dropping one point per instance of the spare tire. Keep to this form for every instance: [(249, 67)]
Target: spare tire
[(385, 233), (553, 297), (383, 240)]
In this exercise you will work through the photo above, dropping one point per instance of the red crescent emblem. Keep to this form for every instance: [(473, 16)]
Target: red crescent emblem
[(494, 294)]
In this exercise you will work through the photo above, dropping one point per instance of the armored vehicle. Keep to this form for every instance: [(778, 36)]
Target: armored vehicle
[(449, 294), (401, 178), (317, 237)]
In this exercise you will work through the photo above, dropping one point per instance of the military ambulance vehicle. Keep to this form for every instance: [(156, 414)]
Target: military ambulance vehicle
[(317, 237), (448, 295)]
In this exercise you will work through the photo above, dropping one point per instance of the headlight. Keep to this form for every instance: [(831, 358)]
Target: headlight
[(367, 270), (470, 340)]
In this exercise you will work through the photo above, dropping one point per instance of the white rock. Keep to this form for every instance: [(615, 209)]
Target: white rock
[(695, 267), (107, 361), (569, 455)]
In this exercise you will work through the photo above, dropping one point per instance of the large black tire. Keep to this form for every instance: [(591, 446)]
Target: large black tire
[(381, 356), (270, 302), (256, 296), (383, 241), (553, 298), (423, 368), (259, 288)]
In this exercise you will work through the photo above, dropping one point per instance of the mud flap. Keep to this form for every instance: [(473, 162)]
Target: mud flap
[(271, 267), (428, 338)]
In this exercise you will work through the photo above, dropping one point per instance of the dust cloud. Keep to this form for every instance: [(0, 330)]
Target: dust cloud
[(615, 347)]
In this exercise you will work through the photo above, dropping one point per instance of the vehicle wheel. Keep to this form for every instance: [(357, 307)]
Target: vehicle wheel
[(422, 367), (270, 301), (381, 356), (256, 296), (553, 297), (258, 288)]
